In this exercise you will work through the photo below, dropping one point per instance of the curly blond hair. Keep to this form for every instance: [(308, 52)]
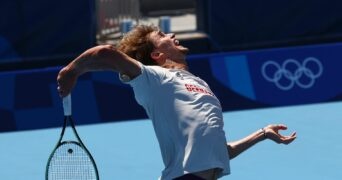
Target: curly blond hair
[(138, 45)]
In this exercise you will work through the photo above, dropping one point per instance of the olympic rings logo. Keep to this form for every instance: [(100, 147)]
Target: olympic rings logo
[(292, 72)]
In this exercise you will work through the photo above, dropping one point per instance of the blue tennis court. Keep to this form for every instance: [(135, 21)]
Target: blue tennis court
[(270, 62), (129, 150)]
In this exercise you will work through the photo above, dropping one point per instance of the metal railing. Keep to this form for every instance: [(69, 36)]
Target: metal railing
[(110, 14), (114, 17)]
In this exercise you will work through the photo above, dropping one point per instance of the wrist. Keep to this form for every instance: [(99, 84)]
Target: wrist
[(74, 70), (264, 134)]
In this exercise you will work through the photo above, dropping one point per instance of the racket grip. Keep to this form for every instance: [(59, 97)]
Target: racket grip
[(67, 105)]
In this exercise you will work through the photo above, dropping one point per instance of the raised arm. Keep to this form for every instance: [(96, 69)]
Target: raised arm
[(269, 132), (99, 58)]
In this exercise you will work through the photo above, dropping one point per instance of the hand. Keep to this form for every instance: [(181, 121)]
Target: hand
[(272, 132), (66, 81)]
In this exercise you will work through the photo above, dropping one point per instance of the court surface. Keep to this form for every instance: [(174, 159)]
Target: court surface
[(129, 150)]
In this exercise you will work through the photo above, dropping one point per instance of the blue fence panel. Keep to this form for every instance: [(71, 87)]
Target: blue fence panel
[(241, 80)]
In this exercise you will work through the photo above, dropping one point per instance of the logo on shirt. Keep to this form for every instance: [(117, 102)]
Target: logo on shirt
[(194, 88)]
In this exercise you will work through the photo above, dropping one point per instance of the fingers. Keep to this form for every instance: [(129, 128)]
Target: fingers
[(64, 89), (60, 90), (277, 137), (281, 126), (65, 82), (289, 139), (294, 134), (62, 93), (277, 127)]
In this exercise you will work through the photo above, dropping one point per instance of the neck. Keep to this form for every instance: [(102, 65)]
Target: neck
[(169, 64)]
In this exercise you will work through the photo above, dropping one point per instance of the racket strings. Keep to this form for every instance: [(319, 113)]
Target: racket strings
[(71, 162)]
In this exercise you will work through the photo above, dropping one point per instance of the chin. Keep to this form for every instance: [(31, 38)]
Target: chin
[(184, 50)]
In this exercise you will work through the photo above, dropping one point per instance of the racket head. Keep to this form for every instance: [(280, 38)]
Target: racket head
[(71, 160)]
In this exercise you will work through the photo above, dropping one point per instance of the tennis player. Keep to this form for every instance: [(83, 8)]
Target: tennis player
[(186, 115)]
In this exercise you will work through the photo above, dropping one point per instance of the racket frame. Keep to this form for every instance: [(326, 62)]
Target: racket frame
[(68, 118)]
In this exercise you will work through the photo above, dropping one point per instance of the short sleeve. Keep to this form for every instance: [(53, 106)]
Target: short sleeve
[(146, 83)]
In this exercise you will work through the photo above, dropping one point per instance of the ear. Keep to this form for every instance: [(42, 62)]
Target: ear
[(156, 55)]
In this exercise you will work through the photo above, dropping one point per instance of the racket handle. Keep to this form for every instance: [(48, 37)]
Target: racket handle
[(67, 105)]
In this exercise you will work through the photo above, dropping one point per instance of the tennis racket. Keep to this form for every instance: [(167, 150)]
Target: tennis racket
[(70, 160)]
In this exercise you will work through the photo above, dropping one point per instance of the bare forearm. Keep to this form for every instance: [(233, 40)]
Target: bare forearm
[(237, 147), (103, 57), (98, 58), (270, 132)]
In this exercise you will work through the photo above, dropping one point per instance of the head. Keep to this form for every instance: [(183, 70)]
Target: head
[(150, 46)]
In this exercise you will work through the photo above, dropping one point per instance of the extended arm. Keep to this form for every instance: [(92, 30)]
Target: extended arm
[(269, 132), (104, 57)]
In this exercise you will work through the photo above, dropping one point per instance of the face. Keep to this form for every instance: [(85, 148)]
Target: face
[(168, 45)]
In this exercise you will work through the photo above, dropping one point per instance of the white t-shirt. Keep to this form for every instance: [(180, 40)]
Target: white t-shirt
[(187, 119)]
